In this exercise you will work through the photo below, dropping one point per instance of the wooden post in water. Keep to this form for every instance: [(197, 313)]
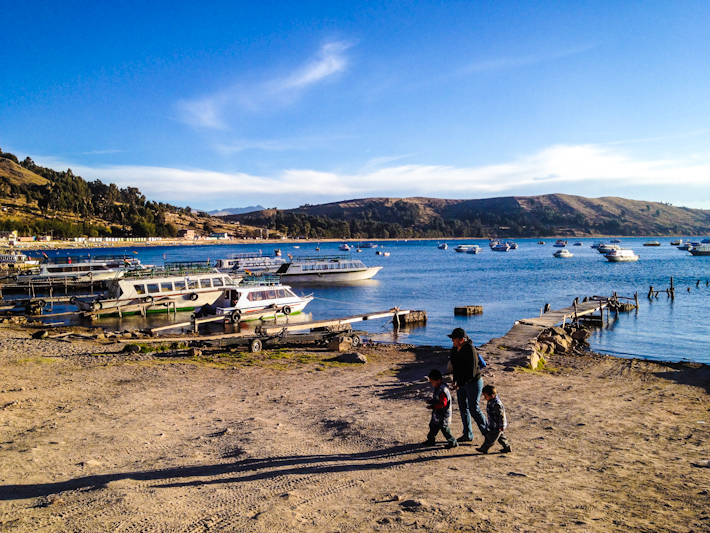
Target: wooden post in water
[(636, 299)]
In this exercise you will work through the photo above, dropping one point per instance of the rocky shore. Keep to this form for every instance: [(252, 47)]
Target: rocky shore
[(97, 439)]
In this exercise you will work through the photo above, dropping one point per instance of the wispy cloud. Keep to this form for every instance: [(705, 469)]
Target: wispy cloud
[(212, 110), (102, 152), (377, 161), (550, 170), (514, 62)]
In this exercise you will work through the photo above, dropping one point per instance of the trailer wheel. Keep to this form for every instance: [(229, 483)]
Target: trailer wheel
[(148, 299), (72, 300), (99, 305), (236, 316), (286, 310), (255, 345), (193, 296), (357, 341)]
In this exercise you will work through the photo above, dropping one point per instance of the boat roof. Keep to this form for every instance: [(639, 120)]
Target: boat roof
[(90, 259), (314, 258)]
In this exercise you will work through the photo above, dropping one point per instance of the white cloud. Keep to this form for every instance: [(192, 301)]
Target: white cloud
[(551, 170), (212, 111), (513, 62)]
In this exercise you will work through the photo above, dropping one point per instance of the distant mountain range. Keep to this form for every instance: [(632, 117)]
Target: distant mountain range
[(235, 210), (505, 217)]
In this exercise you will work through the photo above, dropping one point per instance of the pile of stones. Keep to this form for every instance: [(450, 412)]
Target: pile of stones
[(558, 340)]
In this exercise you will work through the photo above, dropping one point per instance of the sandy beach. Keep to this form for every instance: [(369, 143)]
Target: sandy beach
[(93, 439)]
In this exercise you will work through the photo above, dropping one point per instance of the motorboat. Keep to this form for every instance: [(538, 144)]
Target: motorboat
[(249, 263), (676, 242), (606, 248), (462, 248), (578, 244), (256, 294), (492, 243), (512, 245), (703, 249), (326, 269), (501, 247), (560, 243), (652, 243), (345, 247), (562, 254), (182, 286), (443, 246), (615, 241), (541, 242), (596, 245), (96, 268), (622, 254), (473, 249), (368, 245), (687, 245)]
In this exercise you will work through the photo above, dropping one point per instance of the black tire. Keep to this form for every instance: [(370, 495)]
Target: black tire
[(236, 316), (72, 300), (148, 299), (286, 310), (357, 341), (193, 316), (194, 296), (41, 303), (255, 346)]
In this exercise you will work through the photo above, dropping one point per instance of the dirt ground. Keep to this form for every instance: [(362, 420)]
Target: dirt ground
[(92, 440)]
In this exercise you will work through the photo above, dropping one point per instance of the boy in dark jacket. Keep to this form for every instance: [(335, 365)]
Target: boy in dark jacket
[(440, 405), (497, 421)]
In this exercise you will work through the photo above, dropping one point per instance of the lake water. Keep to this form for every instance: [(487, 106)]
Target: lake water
[(510, 286)]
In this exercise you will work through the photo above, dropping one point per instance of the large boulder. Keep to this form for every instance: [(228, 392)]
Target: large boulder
[(581, 335), (352, 357), (340, 344)]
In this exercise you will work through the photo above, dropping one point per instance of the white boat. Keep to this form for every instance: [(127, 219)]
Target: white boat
[(178, 286), (473, 249), (18, 261), (703, 249), (606, 248), (249, 263), (563, 254), (501, 247), (687, 245), (560, 243), (512, 245), (368, 245), (255, 294), (345, 247), (97, 268), (443, 246), (326, 269), (622, 254), (615, 241), (462, 248)]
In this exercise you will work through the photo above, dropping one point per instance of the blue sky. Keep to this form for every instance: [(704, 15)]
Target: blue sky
[(226, 104)]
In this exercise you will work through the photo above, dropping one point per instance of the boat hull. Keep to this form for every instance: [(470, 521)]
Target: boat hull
[(331, 277), (181, 302), (622, 259)]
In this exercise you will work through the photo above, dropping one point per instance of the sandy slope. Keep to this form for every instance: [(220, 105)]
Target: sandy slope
[(140, 443)]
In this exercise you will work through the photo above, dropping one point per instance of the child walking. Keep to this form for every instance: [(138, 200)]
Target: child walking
[(497, 421), (440, 405)]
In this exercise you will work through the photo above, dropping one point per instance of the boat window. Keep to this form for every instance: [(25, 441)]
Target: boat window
[(217, 282), (282, 293), (290, 293), (166, 286), (271, 295), (140, 289), (228, 281), (192, 284), (153, 287), (255, 296), (180, 285), (205, 283)]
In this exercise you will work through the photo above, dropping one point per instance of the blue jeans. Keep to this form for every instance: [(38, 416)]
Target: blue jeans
[(468, 396)]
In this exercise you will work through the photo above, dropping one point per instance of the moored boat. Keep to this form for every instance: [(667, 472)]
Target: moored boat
[(577, 244), (345, 247), (80, 269), (17, 261), (562, 254), (512, 245), (687, 245), (560, 243), (541, 242), (443, 246), (606, 248), (326, 269), (249, 263), (500, 247), (652, 243), (622, 254), (368, 245), (703, 249), (615, 241), (473, 249), (462, 248), (596, 245), (676, 242)]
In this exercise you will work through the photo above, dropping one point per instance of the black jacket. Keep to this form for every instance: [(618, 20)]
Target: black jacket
[(465, 363)]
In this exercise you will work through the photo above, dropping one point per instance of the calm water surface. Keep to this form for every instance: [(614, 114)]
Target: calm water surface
[(509, 285)]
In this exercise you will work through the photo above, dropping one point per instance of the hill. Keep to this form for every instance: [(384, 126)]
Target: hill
[(235, 210), (513, 216)]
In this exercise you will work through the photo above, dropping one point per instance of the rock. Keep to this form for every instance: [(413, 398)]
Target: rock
[(100, 336), (40, 334), (562, 345), (517, 474), (352, 358), (91, 462), (581, 335), (194, 352), (413, 503), (412, 317), (535, 362), (340, 344), (131, 348), (127, 335), (555, 330), (546, 338)]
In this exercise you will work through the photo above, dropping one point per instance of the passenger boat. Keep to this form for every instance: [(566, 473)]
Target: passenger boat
[(501, 247), (462, 248), (179, 286), (326, 269), (255, 294), (606, 248), (443, 246), (17, 261), (560, 243), (96, 268), (652, 243), (473, 249), (345, 247), (562, 254), (703, 249), (615, 241), (249, 263), (622, 254)]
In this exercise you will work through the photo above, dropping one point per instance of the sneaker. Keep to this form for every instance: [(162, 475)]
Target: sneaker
[(506, 449), (482, 449), (450, 445), (464, 438), (429, 443)]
